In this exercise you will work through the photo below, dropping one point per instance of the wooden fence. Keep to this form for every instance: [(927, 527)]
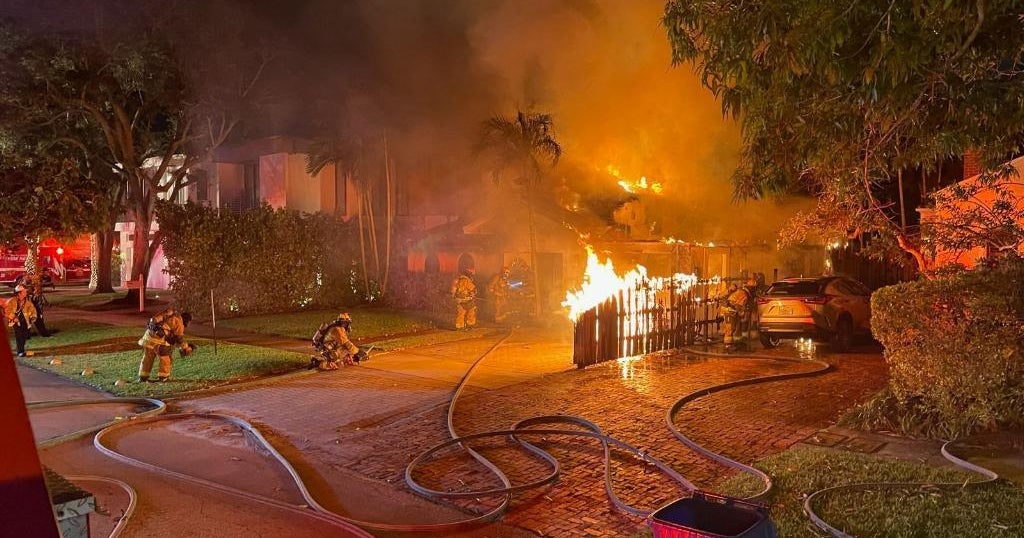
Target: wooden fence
[(652, 316)]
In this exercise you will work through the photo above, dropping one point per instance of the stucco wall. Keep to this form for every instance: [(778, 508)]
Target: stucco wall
[(303, 191)]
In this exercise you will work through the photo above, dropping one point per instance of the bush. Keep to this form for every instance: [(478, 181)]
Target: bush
[(953, 345), (258, 261), (428, 292)]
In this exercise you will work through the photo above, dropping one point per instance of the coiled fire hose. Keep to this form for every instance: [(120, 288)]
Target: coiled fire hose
[(521, 429), (808, 506)]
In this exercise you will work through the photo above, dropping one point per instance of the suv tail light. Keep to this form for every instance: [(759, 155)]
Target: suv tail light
[(818, 299), (762, 300)]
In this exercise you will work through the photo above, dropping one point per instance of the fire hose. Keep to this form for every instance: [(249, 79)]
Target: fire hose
[(808, 505), (523, 428), (314, 509)]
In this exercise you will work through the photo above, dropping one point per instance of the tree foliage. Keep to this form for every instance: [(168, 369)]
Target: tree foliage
[(837, 98), (953, 345), (257, 261), (40, 165), (129, 103), (524, 146)]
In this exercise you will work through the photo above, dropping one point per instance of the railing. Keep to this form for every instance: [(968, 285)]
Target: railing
[(649, 318)]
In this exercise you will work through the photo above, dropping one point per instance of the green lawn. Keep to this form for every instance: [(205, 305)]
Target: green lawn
[(77, 331), (202, 369), (366, 322), (86, 300), (989, 510)]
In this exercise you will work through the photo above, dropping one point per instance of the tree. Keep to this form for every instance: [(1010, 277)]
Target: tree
[(138, 115), (40, 166), (525, 146), (840, 99)]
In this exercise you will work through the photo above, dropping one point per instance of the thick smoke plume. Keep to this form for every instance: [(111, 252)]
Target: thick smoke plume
[(426, 73)]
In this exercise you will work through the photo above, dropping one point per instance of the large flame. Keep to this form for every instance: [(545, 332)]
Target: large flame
[(635, 186), (600, 282)]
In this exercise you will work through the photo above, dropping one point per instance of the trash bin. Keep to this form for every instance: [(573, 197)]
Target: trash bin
[(708, 515)]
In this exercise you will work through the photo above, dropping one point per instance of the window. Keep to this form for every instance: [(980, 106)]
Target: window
[(799, 287), (251, 185), (202, 188), (466, 261), (432, 265)]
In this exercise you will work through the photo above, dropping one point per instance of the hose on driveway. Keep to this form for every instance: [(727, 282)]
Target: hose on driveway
[(534, 426)]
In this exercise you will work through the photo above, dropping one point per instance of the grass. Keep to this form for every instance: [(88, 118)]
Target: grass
[(366, 322), (885, 412), (81, 298), (78, 331), (84, 299), (989, 510), (203, 369)]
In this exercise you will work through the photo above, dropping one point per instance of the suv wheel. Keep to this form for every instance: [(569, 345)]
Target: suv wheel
[(842, 340), (769, 341)]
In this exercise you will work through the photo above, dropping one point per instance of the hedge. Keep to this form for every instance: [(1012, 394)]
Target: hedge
[(953, 345), (259, 261)]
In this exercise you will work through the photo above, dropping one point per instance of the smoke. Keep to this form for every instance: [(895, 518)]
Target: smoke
[(603, 69), (426, 74)]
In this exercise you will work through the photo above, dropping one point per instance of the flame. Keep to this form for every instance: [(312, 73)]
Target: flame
[(601, 282), (634, 186)]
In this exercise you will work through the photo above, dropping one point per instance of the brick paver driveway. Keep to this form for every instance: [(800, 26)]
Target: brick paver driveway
[(628, 399)]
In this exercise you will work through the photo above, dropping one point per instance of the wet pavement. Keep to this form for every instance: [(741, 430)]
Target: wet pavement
[(352, 432)]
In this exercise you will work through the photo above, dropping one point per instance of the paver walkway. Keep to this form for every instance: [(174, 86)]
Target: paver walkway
[(369, 421)]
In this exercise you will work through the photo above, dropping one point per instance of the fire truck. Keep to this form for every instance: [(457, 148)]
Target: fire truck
[(12, 264)]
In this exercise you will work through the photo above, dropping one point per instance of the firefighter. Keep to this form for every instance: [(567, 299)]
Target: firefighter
[(738, 304), (163, 331), (464, 293), (332, 344), (20, 314), (499, 289), (39, 301)]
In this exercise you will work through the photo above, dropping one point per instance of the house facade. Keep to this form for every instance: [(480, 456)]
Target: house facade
[(981, 200), (269, 170)]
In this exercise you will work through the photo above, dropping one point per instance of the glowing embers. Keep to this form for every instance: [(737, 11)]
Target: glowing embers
[(635, 186)]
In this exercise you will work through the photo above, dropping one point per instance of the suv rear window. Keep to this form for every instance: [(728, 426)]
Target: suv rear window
[(811, 287)]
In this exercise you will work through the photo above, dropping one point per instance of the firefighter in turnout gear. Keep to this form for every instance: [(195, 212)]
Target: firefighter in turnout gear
[(20, 314), (464, 293), (499, 289), (738, 305), (332, 345), (163, 332)]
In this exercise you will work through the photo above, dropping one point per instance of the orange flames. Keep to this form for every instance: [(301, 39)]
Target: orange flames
[(635, 186), (600, 282)]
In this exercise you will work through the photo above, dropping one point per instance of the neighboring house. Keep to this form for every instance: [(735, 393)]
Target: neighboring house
[(943, 218), (269, 170)]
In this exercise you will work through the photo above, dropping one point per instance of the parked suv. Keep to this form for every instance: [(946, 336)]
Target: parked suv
[(829, 308)]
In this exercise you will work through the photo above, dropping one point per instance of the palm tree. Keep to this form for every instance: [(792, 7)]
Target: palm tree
[(347, 155), (524, 146)]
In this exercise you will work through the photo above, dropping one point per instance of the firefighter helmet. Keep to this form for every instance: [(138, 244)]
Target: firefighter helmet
[(344, 316)]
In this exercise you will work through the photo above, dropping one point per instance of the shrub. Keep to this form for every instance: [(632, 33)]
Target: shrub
[(429, 292), (953, 345), (258, 261)]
